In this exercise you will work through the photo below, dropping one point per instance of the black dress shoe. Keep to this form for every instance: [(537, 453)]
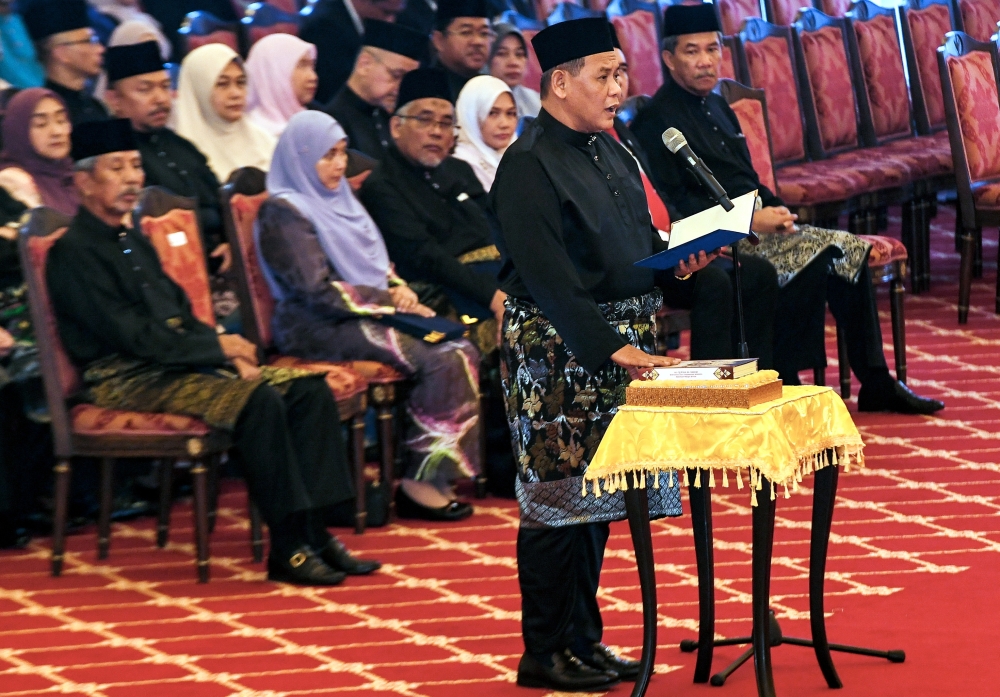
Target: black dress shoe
[(897, 397), (567, 674), (338, 558), (603, 658), (303, 568), (408, 508)]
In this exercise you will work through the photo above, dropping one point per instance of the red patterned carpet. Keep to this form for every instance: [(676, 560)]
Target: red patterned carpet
[(915, 559)]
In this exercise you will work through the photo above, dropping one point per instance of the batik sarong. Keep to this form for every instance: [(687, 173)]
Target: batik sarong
[(790, 253)]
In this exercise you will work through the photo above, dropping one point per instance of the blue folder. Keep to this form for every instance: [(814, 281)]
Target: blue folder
[(669, 258)]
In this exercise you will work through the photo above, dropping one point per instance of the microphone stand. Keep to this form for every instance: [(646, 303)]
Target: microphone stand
[(742, 350)]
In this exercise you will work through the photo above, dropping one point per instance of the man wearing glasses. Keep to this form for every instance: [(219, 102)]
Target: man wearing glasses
[(69, 51), (364, 105), (462, 38)]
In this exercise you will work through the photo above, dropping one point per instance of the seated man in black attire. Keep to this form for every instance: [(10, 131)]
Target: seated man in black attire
[(802, 256), (139, 90), (365, 104), (129, 328), (70, 52), (461, 39)]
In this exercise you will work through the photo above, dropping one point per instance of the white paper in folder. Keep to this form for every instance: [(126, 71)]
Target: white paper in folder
[(713, 219)]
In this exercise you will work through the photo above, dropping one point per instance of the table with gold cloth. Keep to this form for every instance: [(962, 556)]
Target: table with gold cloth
[(765, 450)]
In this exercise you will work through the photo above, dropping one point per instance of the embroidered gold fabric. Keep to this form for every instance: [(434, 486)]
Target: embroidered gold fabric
[(490, 253)]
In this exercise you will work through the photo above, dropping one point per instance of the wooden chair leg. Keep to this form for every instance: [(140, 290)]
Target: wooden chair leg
[(213, 491), (927, 211), (256, 533), (104, 507), (898, 323), (977, 252), (819, 376), (965, 276), (199, 476), (387, 452), (62, 475), (357, 428), (844, 367), (166, 499), (909, 238)]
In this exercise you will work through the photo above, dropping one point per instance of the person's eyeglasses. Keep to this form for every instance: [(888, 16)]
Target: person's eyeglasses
[(396, 74), (468, 34), (92, 39), (425, 123)]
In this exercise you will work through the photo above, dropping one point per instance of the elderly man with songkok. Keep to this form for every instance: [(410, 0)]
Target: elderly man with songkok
[(139, 90), (461, 39), (579, 324), (129, 328), (815, 266), (70, 52), (365, 104)]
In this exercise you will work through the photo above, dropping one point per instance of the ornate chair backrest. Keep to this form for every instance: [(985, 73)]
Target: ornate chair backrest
[(566, 11), (877, 62), (924, 24), (750, 107), (639, 36), (834, 8), (200, 28), (825, 83), (734, 12), (765, 51), (783, 12), (979, 18), (969, 70), (263, 18), (170, 223), (242, 197), (730, 68), (61, 378)]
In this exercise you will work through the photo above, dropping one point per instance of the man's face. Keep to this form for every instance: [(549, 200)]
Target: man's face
[(593, 96), (425, 134), (380, 74), (78, 49), (113, 187), (143, 99), (465, 45), (694, 64)]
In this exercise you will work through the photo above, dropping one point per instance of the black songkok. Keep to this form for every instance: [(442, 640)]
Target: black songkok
[(121, 62), (424, 83), (95, 138), (449, 10), (567, 41), (43, 18), (395, 38), (690, 19)]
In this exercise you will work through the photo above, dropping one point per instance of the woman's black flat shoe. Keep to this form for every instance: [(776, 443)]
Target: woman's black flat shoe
[(303, 568), (408, 508), (339, 558)]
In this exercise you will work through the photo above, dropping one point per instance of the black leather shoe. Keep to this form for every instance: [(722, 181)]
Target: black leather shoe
[(567, 674), (408, 508), (603, 658), (303, 568), (338, 558), (897, 397)]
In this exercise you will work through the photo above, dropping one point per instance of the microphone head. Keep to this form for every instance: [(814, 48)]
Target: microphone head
[(673, 139)]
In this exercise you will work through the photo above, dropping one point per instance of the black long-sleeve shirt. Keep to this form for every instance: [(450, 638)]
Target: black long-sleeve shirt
[(79, 104), (366, 126), (331, 29), (714, 134), (111, 296), (573, 221), (429, 218)]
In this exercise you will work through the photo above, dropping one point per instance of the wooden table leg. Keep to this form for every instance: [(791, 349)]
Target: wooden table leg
[(637, 508), (701, 525), (824, 495), (763, 541)]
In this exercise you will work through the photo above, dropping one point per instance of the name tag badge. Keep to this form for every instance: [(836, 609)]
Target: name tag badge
[(463, 197), (177, 239)]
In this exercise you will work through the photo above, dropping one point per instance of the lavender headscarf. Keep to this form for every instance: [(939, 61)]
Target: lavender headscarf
[(53, 178), (349, 237)]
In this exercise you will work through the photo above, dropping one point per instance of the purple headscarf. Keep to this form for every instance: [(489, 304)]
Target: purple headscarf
[(53, 178), (349, 237)]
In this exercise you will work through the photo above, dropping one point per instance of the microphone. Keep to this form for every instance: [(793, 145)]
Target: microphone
[(677, 144)]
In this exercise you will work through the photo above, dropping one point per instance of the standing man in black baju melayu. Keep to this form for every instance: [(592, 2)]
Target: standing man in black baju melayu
[(579, 324)]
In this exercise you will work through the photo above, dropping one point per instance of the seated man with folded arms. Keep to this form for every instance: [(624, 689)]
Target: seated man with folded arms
[(130, 329), (692, 51), (365, 104)]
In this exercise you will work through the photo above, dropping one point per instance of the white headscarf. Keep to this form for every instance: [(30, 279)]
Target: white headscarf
[(227, 145), (473, 106), (270, 66)]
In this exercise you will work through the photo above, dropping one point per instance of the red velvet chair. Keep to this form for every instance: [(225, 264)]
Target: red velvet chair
[(733, 13), (783, 12), (200, 28), (544, 8), (242, 197), (834, 8), (887, 259), (264, 18), (730, 68), (639, 37), (924, 24), (969, 71), (89, 431), (979, 18)]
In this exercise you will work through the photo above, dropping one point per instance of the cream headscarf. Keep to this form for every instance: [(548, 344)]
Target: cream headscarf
[(473, 106), (228, 146), (270, 65)]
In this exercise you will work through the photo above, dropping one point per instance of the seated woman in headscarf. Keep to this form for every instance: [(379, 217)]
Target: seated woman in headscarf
[(487, 120), (509, 61), (211, 111), (328, 268), (281, 74), (35, 167)]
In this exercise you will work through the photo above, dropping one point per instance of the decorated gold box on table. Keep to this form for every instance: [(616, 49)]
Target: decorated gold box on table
[(740, 393)]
